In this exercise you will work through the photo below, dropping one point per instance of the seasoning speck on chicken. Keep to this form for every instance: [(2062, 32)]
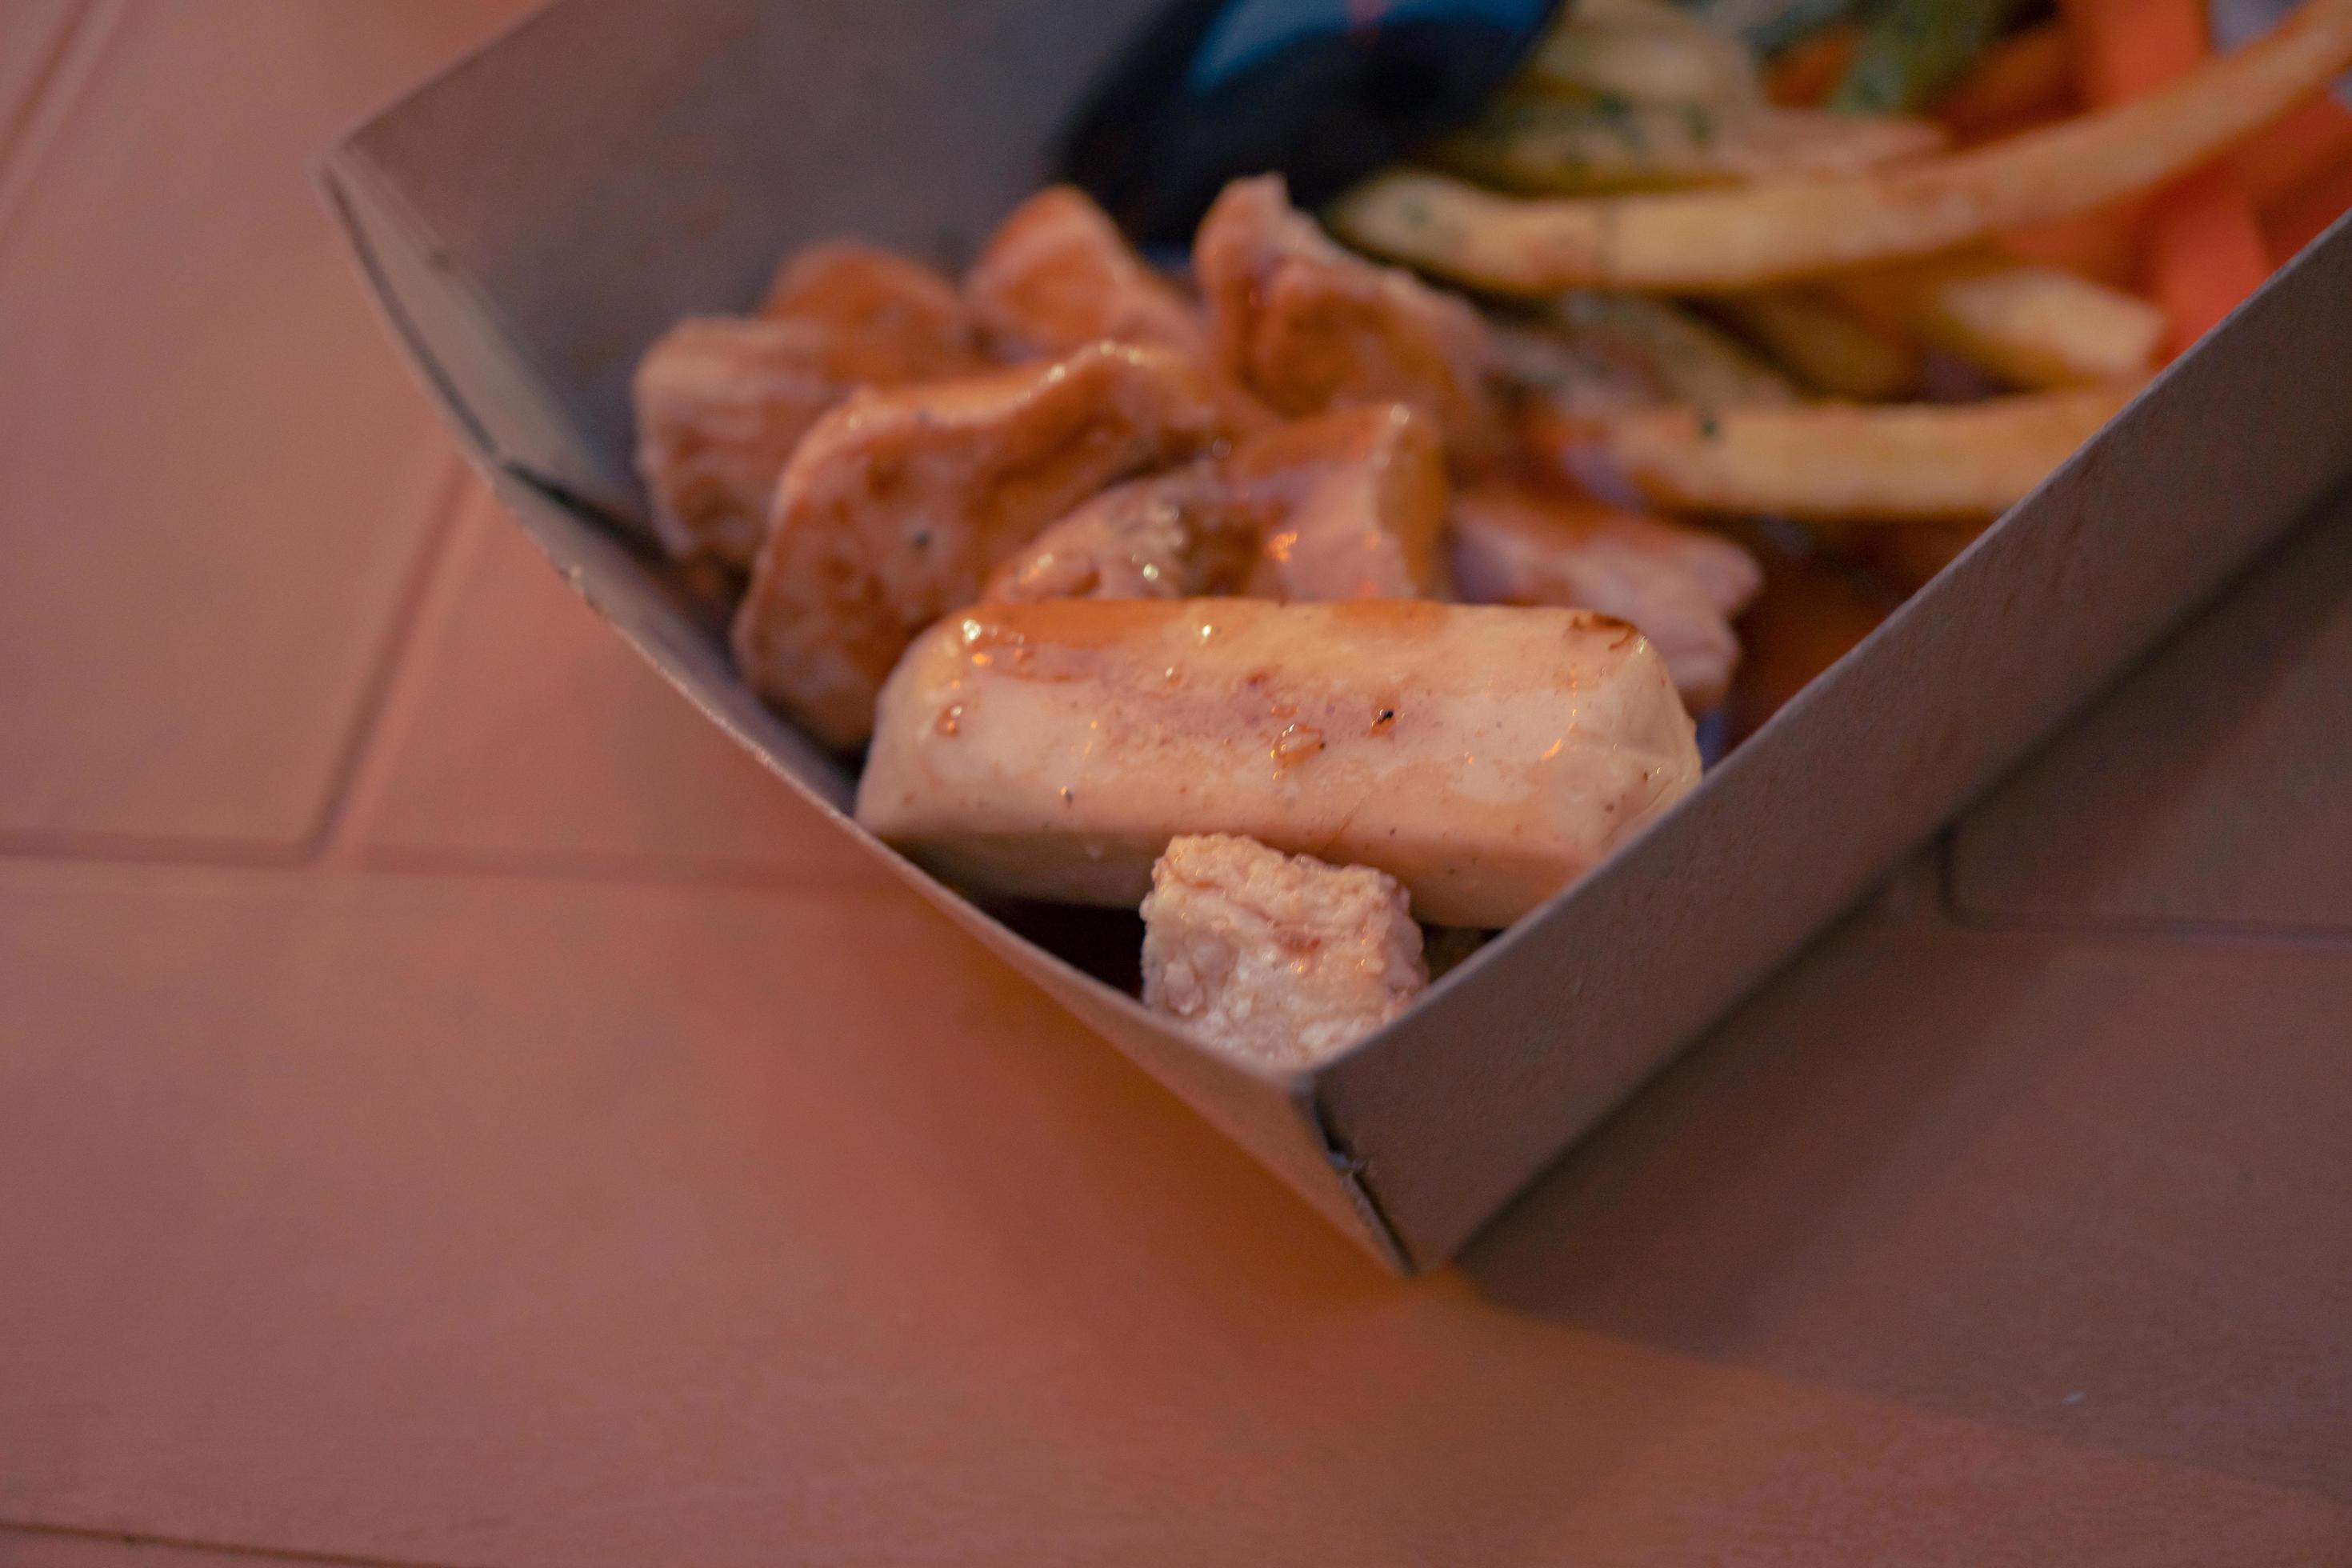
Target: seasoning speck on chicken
[(899, 503), (721, 401), (1281, 960), (1514, 545), (1310, 327)]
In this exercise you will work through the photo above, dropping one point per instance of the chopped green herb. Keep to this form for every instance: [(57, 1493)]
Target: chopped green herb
[(1916, 48)]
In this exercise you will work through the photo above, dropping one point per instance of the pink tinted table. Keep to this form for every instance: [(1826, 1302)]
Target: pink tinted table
[(455, 1110)]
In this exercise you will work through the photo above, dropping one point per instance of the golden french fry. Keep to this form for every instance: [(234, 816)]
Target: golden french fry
[(2031, 326), (1646, 51), (1630, 351), (1836, 462), (1830, 347), (1589, 146), (1731, 240)]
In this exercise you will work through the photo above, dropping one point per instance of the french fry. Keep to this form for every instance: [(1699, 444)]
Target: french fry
[(2031, 326), (1804, 74), (1769, 26), (2101, 245), (2203, 248), (1599, 353), (2021, 78), (2299, 218), (1830, 347), (1728, 241), (2297, 150), (1915, 51), (1593, 144), (1832, 462), (1643, 51)]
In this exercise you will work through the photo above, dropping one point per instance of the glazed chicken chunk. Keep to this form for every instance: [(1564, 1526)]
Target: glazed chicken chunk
[(1484, 756), (891, 319), (1349, 506), (1059, 275), (1681, 586), (1352, 505), (1173, 536), (899, 503), (1279, 959), (721, 401), (1309, 327)]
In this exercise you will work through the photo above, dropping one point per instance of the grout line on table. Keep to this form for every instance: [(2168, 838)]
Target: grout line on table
[(428, 595), (58, 44), (139, 1538), (421, 864), (425, 862), (2183, 932), (557, 866), (416, 863), (56, 85), (1956, 911), (424, 600), (107, 847)]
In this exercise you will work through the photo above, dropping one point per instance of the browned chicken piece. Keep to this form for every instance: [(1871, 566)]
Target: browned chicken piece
[(1059, 275), (1353, 503), (1349, 506), (892, 319), (722, 400), (899, 503), (1309, 327), (1279, 959), (1172, 536), (1517, 545)]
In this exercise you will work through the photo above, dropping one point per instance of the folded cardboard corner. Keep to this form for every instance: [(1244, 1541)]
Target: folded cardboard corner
[(534, 217)]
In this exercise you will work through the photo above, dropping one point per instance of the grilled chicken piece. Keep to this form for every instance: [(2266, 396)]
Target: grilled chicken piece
[(891, 319), (1349, 506), (1309, 327), (722, 400), (1278, 959), (899, 503), (1484, 757), (1353, 503), (1172, 536), (1059, 275), (1516, 545)]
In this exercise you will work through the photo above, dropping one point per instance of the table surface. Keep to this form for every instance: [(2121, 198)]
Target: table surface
[(455, 1110)]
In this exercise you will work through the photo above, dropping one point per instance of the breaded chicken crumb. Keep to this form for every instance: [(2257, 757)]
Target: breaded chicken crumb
[(1278, 958)]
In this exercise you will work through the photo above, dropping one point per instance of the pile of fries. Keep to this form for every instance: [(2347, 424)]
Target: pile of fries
[(1897, 260)]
